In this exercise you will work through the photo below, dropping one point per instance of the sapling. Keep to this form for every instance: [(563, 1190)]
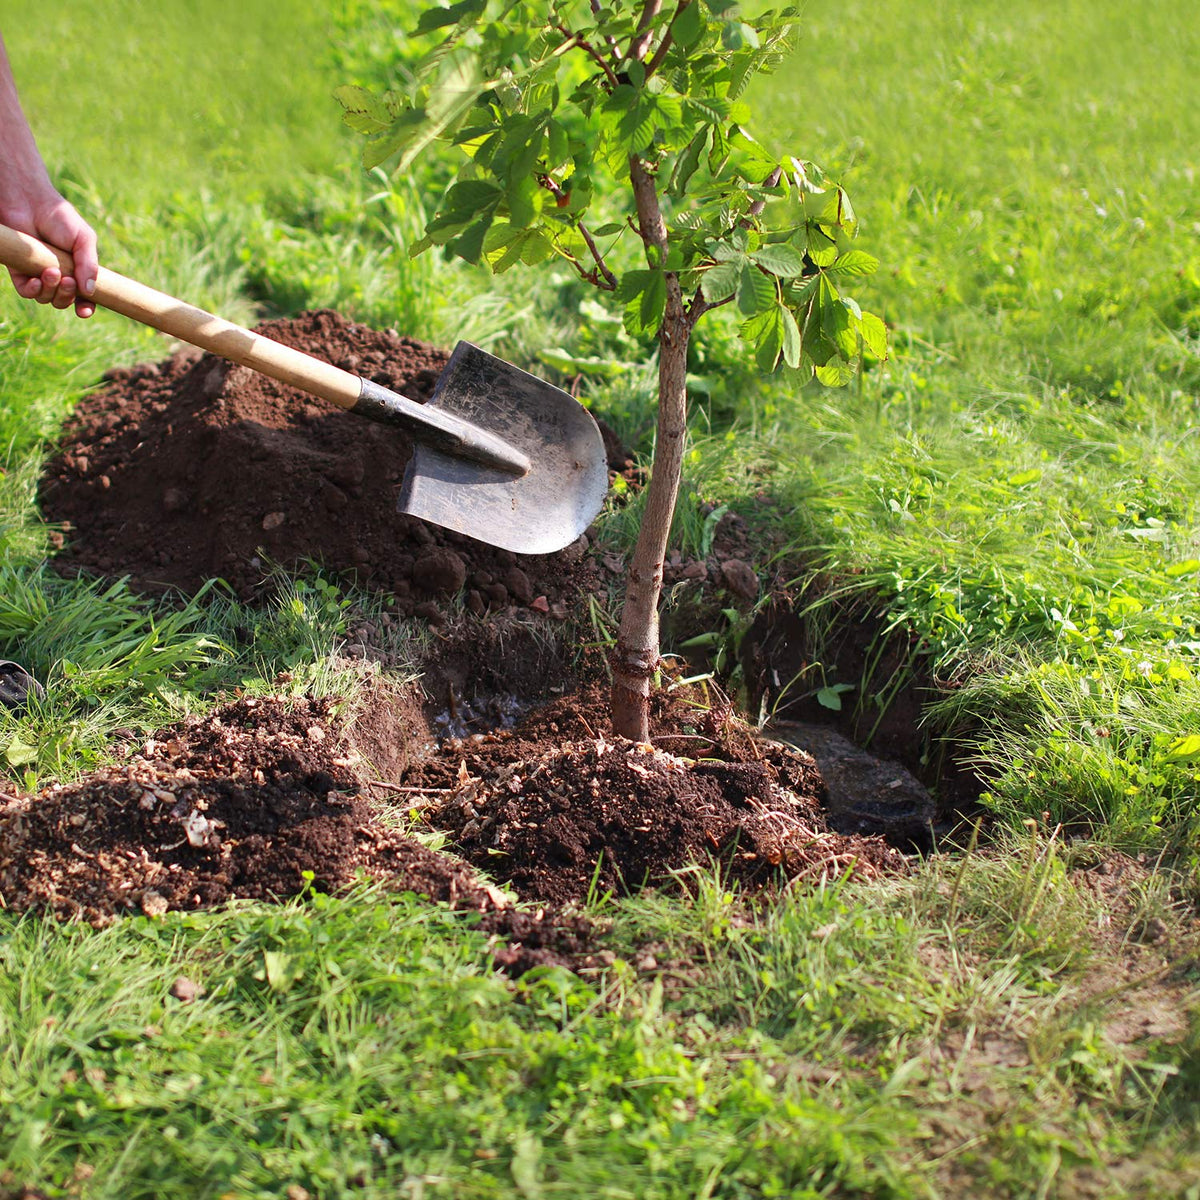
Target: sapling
[(579, 126)]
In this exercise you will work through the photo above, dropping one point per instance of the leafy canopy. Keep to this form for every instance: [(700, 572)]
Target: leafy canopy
[(553, 104)]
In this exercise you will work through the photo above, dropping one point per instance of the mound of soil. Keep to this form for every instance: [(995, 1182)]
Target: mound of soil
[(252, 801), (264, 797), (555, 810), (192, 468), (240, 804)]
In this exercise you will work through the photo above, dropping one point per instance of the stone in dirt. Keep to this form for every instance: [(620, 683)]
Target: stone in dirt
[(863, 793), (740, 578), (178, 472)]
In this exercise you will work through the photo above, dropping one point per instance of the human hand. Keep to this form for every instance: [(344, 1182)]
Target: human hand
[(43, 213)]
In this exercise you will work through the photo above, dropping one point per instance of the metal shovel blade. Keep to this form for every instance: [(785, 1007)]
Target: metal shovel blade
[(539, 512)]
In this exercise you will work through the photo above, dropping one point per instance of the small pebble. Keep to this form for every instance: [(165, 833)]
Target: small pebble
[(185, 990)]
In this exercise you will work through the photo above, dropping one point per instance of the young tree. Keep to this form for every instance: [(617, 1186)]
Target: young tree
[(561, 107)]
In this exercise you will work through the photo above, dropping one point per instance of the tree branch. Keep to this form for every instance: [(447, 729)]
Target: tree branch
[(602, 277), (645, 30), (698, 306), (665, 45), (591, 52), (651, 225), (608, 37)]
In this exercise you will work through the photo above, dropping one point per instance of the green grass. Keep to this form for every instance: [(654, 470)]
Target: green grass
[(362, 1045), (1016, 487), (1019, 484)]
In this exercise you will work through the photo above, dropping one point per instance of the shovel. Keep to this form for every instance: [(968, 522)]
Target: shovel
[(499, 454)]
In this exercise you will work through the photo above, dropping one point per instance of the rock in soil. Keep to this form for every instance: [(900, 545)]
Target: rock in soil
[(178, 472), (865, 794)]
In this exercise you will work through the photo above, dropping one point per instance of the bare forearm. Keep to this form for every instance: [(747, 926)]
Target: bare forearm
[(19, 157), (31, 203)]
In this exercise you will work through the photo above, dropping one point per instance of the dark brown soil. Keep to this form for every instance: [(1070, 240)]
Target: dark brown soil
[(557, 809), (180, 471), (254, 801), (264, 798), (242, 803), (789, 653)]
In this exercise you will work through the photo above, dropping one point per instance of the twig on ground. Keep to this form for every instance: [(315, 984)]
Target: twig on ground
[(418, 791)]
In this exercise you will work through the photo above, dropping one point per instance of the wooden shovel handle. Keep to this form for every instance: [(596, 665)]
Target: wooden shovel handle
[(193, 325)]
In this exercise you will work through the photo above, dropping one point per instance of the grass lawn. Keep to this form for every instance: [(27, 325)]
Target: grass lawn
[(1017, 487)]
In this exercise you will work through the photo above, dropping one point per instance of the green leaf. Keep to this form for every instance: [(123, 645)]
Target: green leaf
[(780, 259), (1021, 478), (654, 302), (365, 113), (791, 338), (834, 374), (724, 252), (719, 282), (1189, 566), (706, 110), (399, 134), (874, 335), (839, 325), (471, 196), (633, 283), (19, 753), (688, 24), (439, 18), (469, 245), (282, 969), (574, 364), (765, 332), (688, 163), (822, 249), (537, 247), (855, 262), (831, 697), (645, 294), (668, 109), (501, 234), (459, 84), (756, 291), (1183, 748), (522, 197), (558, 145)]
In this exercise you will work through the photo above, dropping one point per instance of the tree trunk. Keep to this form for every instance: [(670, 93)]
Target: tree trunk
[(636, 657)]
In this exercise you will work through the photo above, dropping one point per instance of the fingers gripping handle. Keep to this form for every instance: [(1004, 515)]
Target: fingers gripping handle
[(29, 256), (193, 325)]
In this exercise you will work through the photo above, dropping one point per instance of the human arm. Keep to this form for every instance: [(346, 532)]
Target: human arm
[(29, 202)]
